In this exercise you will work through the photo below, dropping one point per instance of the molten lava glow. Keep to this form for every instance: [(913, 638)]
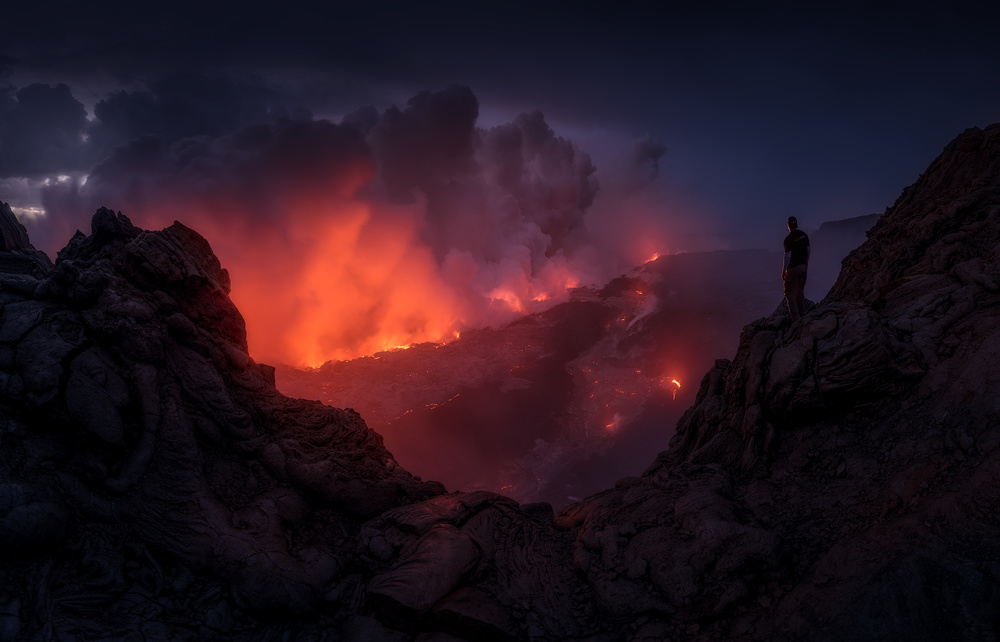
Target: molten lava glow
[(508, 298), (365, 286), (321, 271), (344, 240), (331, 279)]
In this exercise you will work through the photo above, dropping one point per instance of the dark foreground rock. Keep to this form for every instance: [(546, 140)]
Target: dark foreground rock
[(839, 479), (17, 254), (150, 471)]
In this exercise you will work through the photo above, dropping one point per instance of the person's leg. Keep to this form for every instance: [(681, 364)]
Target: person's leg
[(790, 300), (800, 289)]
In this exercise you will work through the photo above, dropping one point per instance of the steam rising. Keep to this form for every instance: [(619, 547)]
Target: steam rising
[(380, 231)]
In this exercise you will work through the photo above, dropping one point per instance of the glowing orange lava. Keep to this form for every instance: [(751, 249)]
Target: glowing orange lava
[(323, 275), (355, 283)]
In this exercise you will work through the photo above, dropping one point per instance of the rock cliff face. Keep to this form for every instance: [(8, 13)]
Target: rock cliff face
[(839, 479), (861, 445), (17, 254), (150, 470)]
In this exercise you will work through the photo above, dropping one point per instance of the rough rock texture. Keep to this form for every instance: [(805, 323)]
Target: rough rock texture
[(839, 479), (142, 443), (866, 438), (17, 254)]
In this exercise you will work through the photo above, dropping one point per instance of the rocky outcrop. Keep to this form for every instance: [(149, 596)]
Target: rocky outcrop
[(838, 479), (17, 254), (854, 452), (141, 440), (912, 317)]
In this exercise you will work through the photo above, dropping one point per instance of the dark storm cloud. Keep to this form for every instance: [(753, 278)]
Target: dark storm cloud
[(514, 184), (179, 105), (516, 187), (768, 109), (551, 181), (255, 167), (44, 129), (429, 144), (41, 131), (642, 163)]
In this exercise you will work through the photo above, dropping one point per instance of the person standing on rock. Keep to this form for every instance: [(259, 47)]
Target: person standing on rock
[(793, 268)]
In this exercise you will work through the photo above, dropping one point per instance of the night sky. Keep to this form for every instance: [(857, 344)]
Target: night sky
[(716, 120)]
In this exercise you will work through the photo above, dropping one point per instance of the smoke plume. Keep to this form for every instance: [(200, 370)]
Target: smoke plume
[(376, 232)]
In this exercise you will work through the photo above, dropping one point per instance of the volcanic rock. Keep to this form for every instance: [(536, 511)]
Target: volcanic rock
[(863, 438), (838, 479), (141, 439), (17, 254)]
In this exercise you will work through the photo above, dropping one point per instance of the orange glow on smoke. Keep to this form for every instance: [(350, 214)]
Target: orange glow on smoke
[(330, 279), (323, 275), (508, 298), (364, 287), (359, 284)]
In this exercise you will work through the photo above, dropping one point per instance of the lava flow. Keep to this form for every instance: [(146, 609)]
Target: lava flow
[(558, 403), (367, 285), (399, 228), (342, 278)]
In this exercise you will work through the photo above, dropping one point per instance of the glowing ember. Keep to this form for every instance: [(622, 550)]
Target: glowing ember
[(508, 298)]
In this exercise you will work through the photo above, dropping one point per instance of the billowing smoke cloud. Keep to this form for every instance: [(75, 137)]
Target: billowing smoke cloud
[(380, 231), (185, 105), (42, 130)]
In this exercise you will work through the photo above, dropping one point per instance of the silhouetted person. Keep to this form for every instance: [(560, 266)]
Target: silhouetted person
[(793, 268)]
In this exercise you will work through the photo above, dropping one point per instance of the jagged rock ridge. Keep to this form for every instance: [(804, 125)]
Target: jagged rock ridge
[(136, 429), (837, 480), (17, 254)]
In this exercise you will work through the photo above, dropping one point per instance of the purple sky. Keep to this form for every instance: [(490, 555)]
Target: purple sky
[(765, 109)]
